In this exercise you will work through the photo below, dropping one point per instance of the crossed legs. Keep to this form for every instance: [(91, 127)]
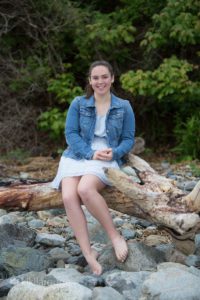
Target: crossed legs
[(86, 189)]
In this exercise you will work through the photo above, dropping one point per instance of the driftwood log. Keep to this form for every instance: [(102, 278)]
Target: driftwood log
[(157, 200)]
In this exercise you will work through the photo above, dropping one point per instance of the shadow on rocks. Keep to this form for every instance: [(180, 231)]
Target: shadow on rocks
[(140, 258)]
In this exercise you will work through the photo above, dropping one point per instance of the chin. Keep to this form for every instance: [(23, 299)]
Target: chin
[(102, 93)]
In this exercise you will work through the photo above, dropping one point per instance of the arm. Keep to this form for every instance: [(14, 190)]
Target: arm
[(128, 133), (72, 132)]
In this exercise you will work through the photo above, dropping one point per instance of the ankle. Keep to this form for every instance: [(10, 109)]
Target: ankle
[(116, 236)]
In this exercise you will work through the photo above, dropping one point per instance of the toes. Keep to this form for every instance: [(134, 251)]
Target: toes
[(121, 249), (97, 272), (93, 263)]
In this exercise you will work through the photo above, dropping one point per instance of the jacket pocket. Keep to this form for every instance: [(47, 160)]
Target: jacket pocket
[(86, 121), (115, 124)]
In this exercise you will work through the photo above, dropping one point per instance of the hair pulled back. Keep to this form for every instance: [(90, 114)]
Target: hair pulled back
[(89, 90)]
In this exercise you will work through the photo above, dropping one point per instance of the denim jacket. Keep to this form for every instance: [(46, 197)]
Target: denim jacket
[(80, 126)]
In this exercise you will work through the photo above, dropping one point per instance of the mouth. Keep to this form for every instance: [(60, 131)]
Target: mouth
[(101, 87)]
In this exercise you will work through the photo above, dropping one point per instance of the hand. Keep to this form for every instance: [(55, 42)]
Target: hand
[(105, 154)]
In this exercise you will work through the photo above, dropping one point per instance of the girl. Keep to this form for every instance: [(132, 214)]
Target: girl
[(99, 131)]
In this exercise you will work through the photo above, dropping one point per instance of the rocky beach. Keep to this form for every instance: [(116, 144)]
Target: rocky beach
[(40, 258)]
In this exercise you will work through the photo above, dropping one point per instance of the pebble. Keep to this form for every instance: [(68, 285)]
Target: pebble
[(186, 185), (128, 234), (50, 239), (148, 272), (34, 223), (193, 260)]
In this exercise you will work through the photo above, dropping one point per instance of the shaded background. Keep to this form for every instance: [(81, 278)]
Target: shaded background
[(47, 46)]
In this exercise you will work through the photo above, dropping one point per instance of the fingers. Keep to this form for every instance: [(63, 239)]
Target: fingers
[(105, 154)]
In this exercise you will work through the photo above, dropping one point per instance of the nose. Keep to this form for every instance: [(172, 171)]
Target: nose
[(100, 80)]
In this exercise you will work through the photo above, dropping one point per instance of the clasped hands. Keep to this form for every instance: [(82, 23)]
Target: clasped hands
[(105, 154)]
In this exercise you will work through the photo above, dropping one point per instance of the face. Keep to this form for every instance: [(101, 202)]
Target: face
[(101, 80)]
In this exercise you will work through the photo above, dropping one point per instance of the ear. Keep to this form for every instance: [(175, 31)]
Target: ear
[(89, 80), (113, 79)]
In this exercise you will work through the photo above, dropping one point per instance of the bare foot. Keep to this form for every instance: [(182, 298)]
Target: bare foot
[(93, 263), (121, 248)]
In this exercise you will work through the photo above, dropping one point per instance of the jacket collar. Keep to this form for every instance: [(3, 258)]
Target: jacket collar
[(115, 102)]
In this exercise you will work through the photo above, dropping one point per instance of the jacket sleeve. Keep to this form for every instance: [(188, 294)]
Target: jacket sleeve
[(72, 132), (128, 133)]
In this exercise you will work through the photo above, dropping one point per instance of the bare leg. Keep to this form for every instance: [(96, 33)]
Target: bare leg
[(88, 190), (78, 221)]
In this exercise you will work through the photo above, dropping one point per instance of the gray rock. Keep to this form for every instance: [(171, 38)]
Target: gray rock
[(15, 261), (8, 219), (58, 253), (197, 244), (26, 290), (65, 275), (16, 235), (193, 260), (68, 290), (2, 212), (89, 217), (171, 281), (57, 211), (63, 291), (50, 239), (194, 271), (128, 284), (34, 277), (97, 234), (165, 164), (7, 284), (35, 223), (92, 281), (106, 293), (72, 275), (118, 221), (73, 248), (77, 260), (128, 233), (140, 258), (171, 253), (69, 233), (186, 185), (141, 222)]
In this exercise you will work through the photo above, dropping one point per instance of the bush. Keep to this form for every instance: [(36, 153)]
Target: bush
[(65, 90), (188, 137)]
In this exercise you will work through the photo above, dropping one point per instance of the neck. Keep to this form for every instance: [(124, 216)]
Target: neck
[(102, 99)]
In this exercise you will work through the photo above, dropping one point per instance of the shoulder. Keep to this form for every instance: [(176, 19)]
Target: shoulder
[(124, 103), (77, 101)]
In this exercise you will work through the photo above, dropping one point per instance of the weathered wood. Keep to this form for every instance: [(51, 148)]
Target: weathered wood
[(158, 200)]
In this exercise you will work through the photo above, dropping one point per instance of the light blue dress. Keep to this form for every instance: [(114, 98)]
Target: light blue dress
[(69, 167)]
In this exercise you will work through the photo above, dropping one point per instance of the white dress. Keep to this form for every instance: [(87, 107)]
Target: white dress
[(69, 167)]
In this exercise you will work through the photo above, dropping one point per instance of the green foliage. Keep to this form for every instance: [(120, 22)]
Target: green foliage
[(178, 22), (64, 89), (154, 43), (195, 169), (170, 84), (169, 80), (188, 137), (52, 121), (32, 74), (103, 33)]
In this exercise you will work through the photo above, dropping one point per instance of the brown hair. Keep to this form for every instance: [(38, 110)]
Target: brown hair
[(89, 91)]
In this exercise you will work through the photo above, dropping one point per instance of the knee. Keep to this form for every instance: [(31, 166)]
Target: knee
[(68, 199), (84, 193)]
